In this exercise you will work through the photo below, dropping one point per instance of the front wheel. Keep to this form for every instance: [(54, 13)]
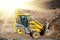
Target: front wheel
[(35, 34)]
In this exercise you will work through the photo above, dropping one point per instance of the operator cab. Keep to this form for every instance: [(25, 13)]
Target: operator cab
[(23, 19)]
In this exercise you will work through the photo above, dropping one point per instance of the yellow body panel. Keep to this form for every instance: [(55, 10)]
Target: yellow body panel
[(35, 26)]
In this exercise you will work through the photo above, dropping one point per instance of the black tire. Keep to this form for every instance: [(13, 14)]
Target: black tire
[(20, 30), (42, 32), (35, 34)]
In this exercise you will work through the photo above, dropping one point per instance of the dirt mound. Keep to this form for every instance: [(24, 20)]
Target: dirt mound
[(56, 24)]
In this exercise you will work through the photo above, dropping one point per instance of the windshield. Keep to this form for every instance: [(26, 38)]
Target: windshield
[(23, 18)]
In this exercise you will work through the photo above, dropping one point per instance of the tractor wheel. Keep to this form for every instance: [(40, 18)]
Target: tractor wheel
[(35, 34), (20, 30)]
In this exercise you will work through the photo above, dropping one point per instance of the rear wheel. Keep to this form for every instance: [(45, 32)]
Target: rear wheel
[(35, 34), (20, 30)]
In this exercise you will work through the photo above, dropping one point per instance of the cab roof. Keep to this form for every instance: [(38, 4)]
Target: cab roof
[(24, 14)]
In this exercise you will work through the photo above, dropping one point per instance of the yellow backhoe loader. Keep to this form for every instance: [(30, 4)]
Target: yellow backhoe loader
[(24, 24)]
